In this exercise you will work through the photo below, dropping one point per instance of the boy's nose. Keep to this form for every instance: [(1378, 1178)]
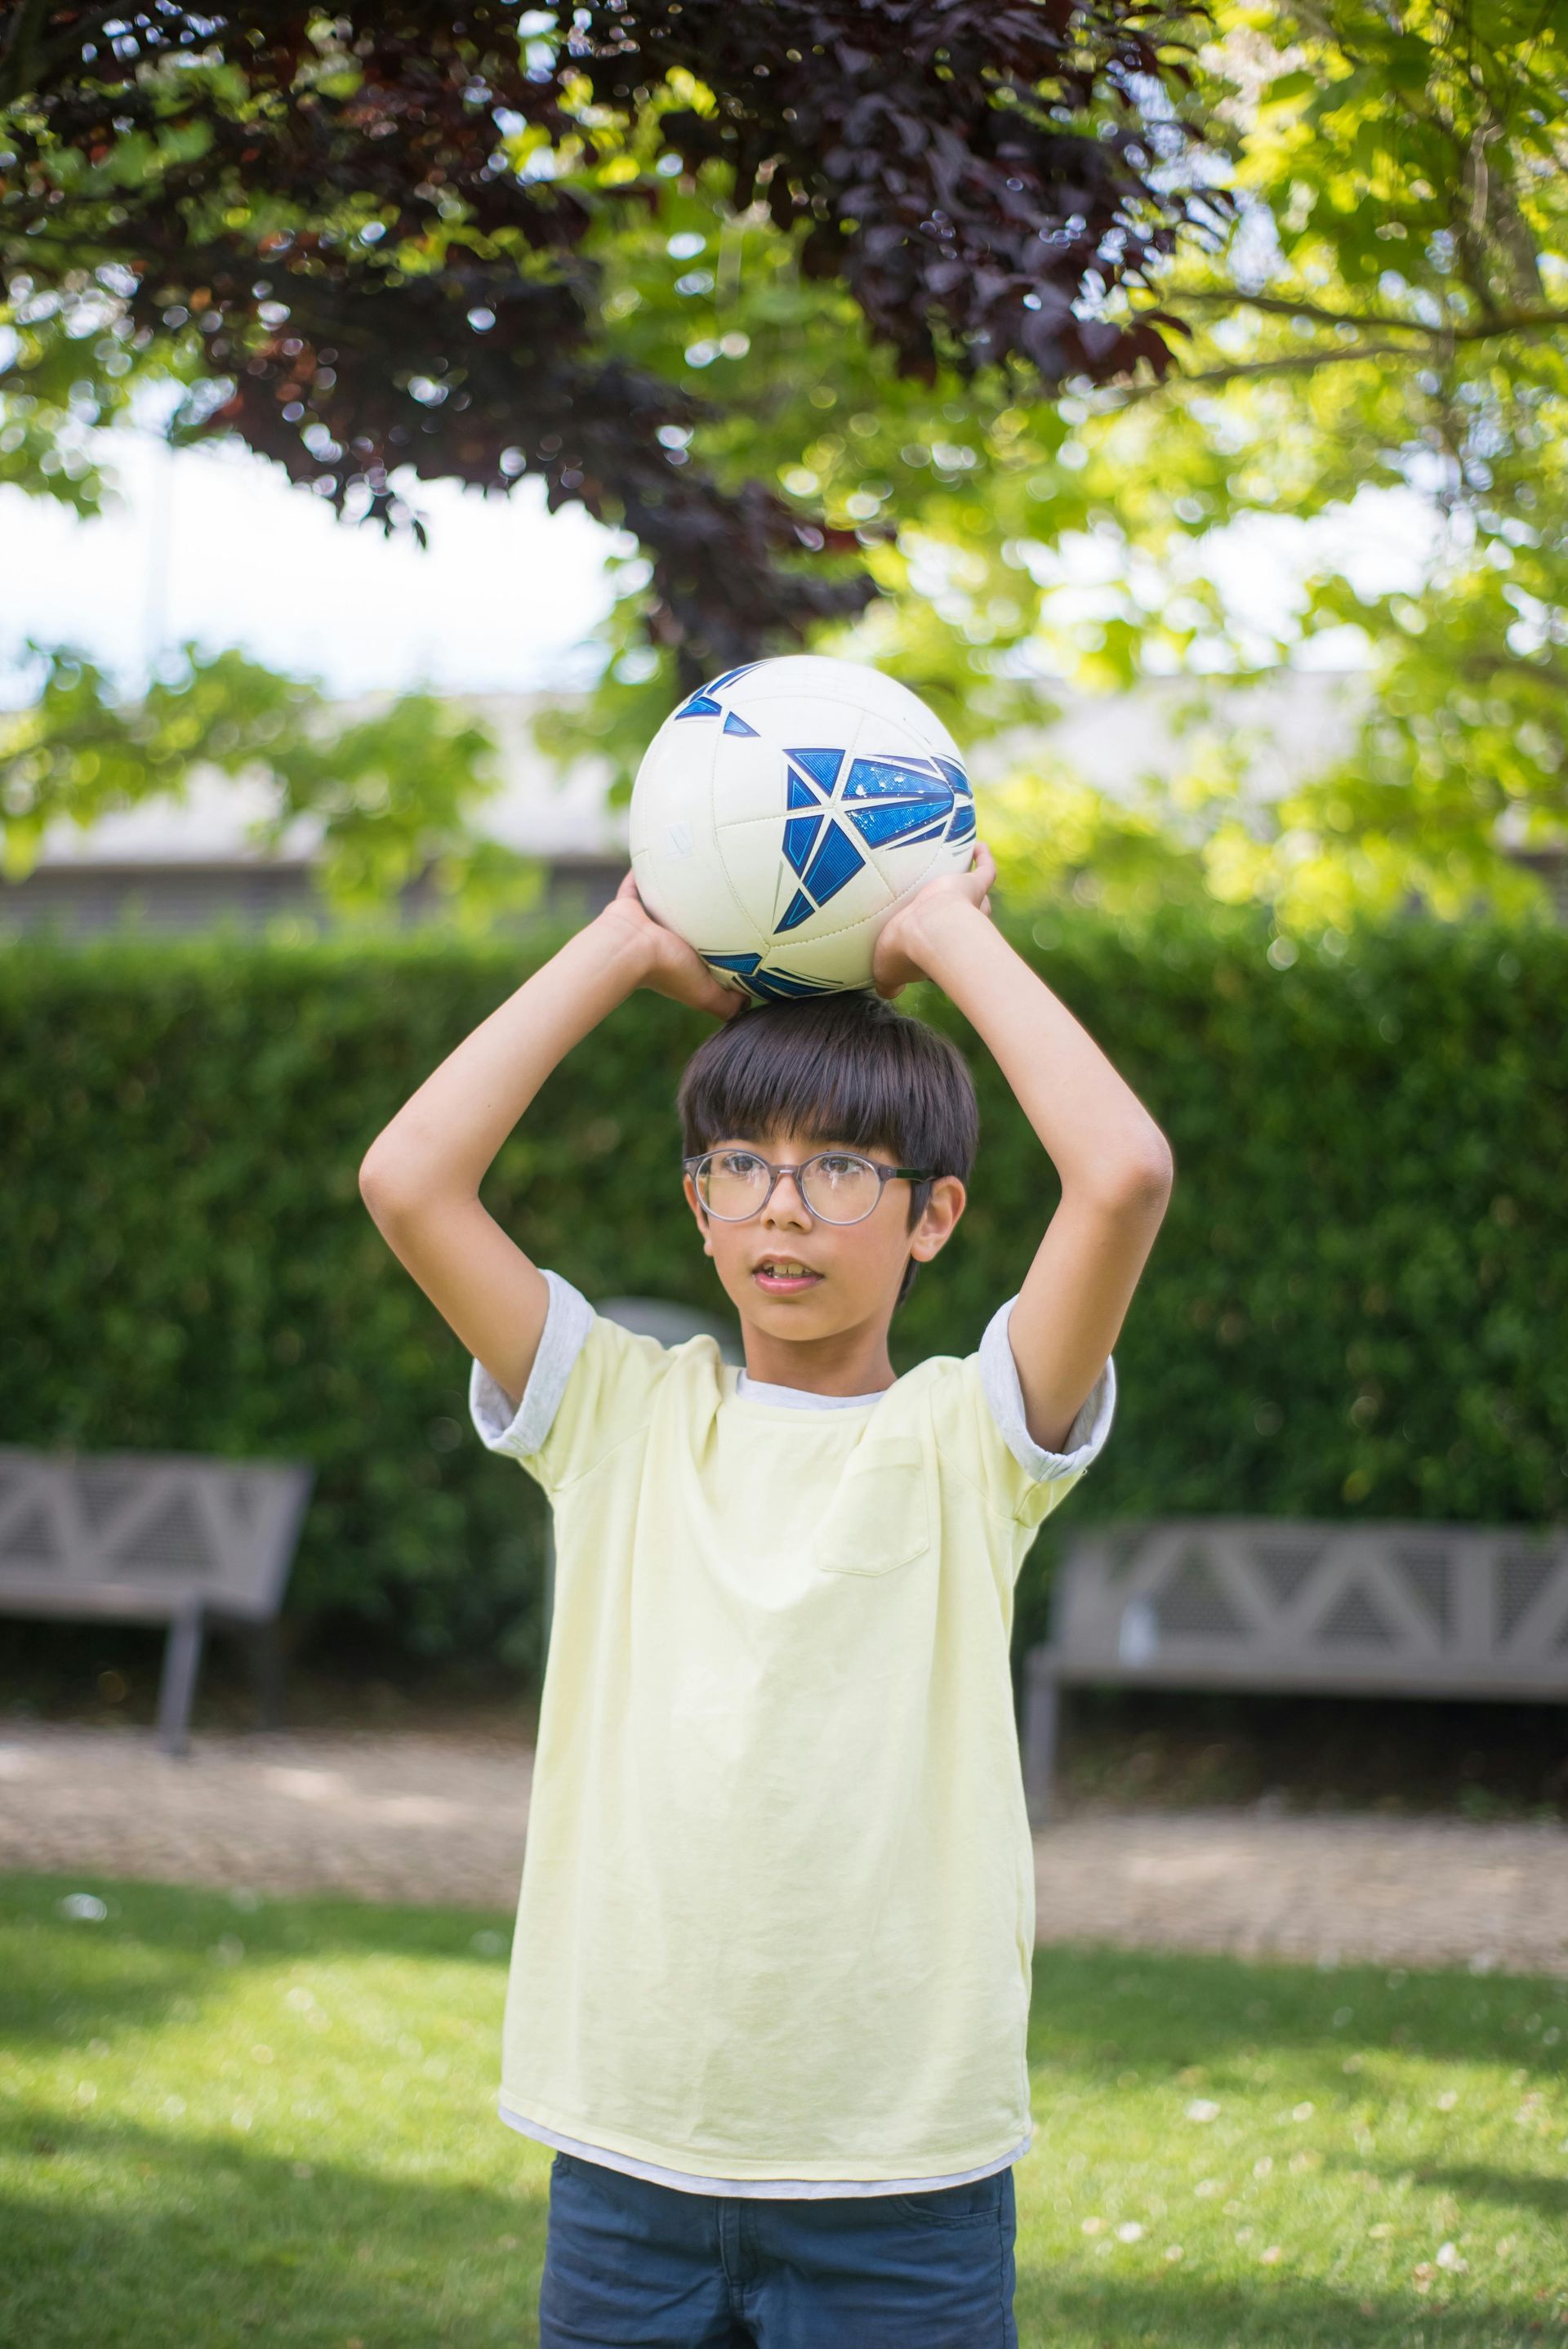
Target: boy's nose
[(787, 1205)]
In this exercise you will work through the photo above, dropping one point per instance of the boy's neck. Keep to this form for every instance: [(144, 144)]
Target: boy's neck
[(850, 1362)]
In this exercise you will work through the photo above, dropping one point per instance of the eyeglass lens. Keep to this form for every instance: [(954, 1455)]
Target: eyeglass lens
[(836, 1186)]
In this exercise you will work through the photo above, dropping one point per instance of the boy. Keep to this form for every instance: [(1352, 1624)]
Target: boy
[(770, 1981)]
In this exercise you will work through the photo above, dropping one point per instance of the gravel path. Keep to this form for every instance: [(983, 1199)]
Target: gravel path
[(419, 1816)]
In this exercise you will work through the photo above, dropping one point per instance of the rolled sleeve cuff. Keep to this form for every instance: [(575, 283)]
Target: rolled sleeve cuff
[(1005, 1395), (519, 1431)]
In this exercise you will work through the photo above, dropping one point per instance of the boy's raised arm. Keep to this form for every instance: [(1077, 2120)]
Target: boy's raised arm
[(420, 1177), (1115, 1163)]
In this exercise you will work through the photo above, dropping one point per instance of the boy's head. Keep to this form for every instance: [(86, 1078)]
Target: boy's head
[(850, 1074)]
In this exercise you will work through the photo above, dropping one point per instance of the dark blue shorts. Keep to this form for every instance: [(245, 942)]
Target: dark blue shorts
[(632, 2265)]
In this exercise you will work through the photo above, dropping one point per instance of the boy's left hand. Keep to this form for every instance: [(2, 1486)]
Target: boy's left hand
[(897, 958)]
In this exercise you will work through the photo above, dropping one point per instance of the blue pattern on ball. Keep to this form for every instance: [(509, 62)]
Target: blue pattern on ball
[(703, 704), (768, 986), (885, 802)]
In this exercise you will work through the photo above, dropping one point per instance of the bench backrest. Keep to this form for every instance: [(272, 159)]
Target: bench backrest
[(672, 1325), (1264, 1603), (143, 1536)]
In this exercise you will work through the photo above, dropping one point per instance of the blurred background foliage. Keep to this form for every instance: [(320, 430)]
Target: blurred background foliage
[(392, 798), (1342, 1317), (376, 237), (1385, 317), (1357, 210)]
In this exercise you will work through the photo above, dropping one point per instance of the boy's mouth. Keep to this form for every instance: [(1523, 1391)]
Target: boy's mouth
[(784, 1275)]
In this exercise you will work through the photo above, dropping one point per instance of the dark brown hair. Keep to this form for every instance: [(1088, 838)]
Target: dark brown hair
[(843, 1068)]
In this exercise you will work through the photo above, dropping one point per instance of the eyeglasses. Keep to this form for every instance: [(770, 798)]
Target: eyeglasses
[(838, 1187)]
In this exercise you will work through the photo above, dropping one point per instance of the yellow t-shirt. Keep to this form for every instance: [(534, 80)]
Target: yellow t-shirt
[(778, 1912)]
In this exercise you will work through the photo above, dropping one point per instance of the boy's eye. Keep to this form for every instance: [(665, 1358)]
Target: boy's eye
[(742, 1162), (839, 1167)]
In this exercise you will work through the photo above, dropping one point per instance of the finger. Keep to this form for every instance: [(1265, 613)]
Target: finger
[(698, 993), (723, 1001), (628, 888), (984, 866), (707, 989)]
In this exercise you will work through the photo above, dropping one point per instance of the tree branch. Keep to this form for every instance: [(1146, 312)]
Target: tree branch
[(1285, 305), (1301, 363), (1290, 305), (1483, 666)]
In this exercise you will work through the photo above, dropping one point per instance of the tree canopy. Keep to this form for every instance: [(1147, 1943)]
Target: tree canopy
[(1379, 343), (1383, 333), (1358, 209), (369, 238)]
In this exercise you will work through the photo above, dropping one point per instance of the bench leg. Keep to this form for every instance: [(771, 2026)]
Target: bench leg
[(1042, 1726), (181, 1662)]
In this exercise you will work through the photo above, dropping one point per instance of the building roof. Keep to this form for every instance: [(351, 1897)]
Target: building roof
[(537, 809), (1291, 722), (186, 860)]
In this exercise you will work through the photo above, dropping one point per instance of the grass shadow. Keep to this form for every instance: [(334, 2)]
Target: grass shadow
[(1105, 2007), (1186, 2312), (228, 2245), (1511, 2190)]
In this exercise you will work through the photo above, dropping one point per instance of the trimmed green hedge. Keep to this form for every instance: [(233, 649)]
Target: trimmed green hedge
[(1355, 1306)]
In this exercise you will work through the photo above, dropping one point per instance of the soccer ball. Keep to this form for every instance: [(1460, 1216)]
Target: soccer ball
[(781, 813)]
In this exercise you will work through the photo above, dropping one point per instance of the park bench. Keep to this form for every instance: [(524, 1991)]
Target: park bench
[(1335, 1609), (155, 1537)]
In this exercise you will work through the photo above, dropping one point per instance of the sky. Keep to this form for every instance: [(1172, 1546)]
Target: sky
[(217, 544)]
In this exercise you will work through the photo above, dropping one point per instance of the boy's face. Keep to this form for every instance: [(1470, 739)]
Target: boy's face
[(797, 1277)]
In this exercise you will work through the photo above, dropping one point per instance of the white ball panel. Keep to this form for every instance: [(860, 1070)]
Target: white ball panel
[(675, 857), (752, 864), (840, 961), (841, 687), (747, 780), (692, 895), (674, 786)]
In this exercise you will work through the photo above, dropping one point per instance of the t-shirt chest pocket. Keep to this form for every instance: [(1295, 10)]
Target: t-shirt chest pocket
[(880, 1516)]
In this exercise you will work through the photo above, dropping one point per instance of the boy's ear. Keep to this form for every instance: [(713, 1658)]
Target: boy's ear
[(695, 1203), (930, 1235)]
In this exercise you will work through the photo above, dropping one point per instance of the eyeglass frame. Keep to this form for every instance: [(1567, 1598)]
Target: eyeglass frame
[(884, 1175)]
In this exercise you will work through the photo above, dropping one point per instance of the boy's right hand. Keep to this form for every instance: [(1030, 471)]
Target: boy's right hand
[(670, 967)]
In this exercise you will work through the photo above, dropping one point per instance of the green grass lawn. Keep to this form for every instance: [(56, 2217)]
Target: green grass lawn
[(231, 2121)]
